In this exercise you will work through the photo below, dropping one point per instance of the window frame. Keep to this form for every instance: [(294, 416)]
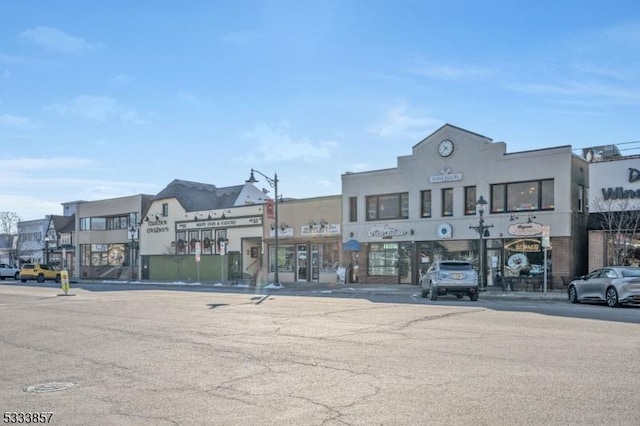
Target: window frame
[(401, 208), (502, 200)]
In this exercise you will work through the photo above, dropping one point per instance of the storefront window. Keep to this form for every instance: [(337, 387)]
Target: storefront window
[(525, 257), (286, 258), (207, 242), (383, 259), (328, 257)]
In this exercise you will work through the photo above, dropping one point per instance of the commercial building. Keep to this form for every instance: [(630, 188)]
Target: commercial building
[(106, 237), (195, 231), (532, 230), (614, 208), (309, 240)]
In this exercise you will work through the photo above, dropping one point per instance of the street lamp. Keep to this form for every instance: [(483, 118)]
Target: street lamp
[(46, 250), (483, 231), (132, 235), (274, 184)]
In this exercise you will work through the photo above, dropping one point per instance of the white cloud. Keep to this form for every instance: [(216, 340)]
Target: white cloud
[(240, 37), (189, 98), (625, 33), (122, 78), (55, 40), (581, 89), (274, 143), (92, 107), (8, 120), (449, 72), (360, 167), (400, 124), (100, 108), (57, 163)]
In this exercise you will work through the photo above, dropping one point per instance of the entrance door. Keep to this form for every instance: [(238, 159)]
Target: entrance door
[(303, 263), (404, 263), (315, 263), (493, 264)]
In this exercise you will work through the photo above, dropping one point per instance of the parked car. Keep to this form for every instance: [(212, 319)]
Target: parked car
[(39, 272), (615, 285), (8, 271), (451, 277)]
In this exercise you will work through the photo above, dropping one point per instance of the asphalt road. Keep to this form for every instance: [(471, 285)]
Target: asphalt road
[(115, 356)]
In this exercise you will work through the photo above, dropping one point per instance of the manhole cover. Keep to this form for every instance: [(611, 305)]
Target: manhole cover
[(49, 387)]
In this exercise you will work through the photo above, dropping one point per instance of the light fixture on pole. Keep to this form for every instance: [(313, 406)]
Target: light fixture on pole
[(483, 231), (132, 235), (46, 250), (274, 184)]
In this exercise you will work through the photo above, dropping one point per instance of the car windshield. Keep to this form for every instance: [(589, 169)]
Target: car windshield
[(631, 272), (455, 266)]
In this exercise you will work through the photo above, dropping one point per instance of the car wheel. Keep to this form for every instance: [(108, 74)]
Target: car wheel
[(612, 297), (573, 294), (424, 293), (2, 278), (40, 278), (23, 280), (434, 293), (16, 276), (58, 279), (474, 297)]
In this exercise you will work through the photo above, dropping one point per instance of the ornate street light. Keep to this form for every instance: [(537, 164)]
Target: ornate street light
[(46, 250), (132, 235), (274, 184), (483, 232)]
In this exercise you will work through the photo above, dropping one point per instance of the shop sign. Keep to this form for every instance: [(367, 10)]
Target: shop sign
[(445, 176), (329, 229), (525, 229), (220, 223), (386, 232), (523, 246)]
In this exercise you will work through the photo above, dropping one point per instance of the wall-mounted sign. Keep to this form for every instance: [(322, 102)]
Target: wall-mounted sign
[(386, 232), (445, 230), (525, 229), (445, 176), (329, 229), (220, 223), (286, 232)]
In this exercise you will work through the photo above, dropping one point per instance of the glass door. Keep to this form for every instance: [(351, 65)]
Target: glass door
[(302, 270)]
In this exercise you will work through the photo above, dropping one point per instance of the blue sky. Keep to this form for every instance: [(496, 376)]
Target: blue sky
[(106, 99)]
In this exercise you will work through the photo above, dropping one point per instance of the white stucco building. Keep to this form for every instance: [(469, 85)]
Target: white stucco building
[(402, 219)]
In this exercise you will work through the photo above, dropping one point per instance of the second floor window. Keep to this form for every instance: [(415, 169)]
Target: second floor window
[(522, 196), (353, 209), (165, 209), (388, 206), (470, 200), (425, 203), (447, 202)]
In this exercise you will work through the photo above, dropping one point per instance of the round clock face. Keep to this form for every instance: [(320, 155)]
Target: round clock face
[(445, 148)]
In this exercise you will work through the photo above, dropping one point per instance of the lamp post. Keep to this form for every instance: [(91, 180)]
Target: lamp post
[(274, 184), (483, 231), (132, 234), (46, 250)]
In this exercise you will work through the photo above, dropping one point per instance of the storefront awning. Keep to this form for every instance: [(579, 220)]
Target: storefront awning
[(351, 245)]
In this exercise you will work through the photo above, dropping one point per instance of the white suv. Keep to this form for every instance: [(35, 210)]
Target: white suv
[(8, 271), (451, 277)]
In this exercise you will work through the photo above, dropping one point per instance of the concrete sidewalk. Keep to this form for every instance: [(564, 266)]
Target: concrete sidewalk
[(408, 289)]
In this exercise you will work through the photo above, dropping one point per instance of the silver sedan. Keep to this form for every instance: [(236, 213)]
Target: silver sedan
[(614, 285)]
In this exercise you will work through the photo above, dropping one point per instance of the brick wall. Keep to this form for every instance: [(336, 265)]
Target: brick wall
[(596, 250)]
